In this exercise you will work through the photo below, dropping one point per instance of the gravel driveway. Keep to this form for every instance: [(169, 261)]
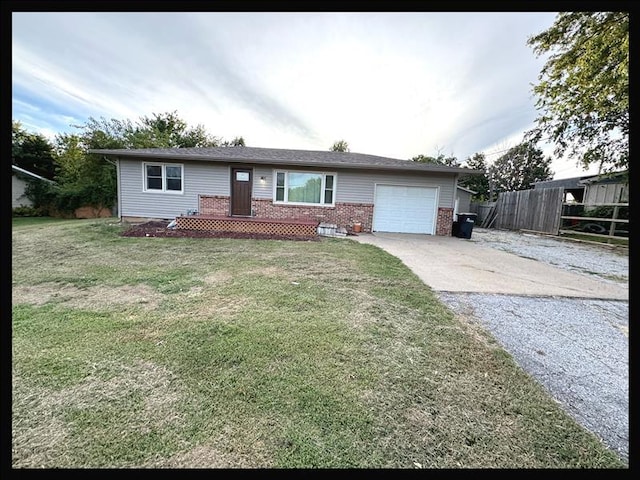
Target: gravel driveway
[(608, 263), (578, 349)]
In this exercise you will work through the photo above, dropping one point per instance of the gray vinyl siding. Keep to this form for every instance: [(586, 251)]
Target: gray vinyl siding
[(262, 189), (464, 201), (357, 186), (209, 178), (18, 197), (199, 178)]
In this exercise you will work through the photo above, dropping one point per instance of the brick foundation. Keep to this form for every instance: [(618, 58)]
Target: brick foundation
[(445, 222), (342, 214)]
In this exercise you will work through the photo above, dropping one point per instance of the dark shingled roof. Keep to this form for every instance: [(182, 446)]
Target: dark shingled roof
[(573, 182), (611, 177), (279, 156), (580, 182)]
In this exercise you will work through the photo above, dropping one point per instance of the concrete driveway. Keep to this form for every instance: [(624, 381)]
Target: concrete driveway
[(451, 264)]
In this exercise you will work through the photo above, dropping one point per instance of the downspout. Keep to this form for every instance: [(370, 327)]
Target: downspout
[(118, 200), (117, 164), (455, 197)]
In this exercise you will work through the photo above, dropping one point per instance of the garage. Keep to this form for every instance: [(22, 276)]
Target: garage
[(405, 209)]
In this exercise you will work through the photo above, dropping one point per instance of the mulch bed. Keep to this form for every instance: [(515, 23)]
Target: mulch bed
[(159, 229)]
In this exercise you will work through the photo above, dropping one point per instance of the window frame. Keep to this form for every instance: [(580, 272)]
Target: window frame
[(163, 166), (323, 188)]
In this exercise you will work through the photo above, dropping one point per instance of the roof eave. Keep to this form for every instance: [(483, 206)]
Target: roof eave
[(30, 174)]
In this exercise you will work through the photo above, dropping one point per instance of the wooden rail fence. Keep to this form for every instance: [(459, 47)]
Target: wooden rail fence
[(593, 226)]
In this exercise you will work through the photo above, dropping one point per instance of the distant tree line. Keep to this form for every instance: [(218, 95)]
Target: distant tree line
[(515, 170)]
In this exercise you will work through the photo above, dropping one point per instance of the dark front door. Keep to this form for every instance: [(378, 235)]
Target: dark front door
[(241, 186)]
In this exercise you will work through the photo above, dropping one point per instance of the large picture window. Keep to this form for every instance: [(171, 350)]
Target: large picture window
[(304, 188), (163, 177)]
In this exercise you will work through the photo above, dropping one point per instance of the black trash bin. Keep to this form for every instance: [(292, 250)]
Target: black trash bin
[(455, 229), (465, 224)]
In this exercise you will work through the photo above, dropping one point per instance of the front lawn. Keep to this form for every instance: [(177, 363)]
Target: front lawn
[(207, 353)]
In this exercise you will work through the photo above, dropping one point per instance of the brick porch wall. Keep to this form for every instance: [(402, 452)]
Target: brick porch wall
[(445, 222), (342, 214), (213, 205)]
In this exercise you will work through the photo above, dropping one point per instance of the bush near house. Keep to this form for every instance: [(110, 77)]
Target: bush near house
[(28, 212)]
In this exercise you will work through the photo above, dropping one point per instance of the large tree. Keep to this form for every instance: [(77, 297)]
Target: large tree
[(340, 146), (477, 183), (31, 151), (83, 179), (439, 159), (583, 93), (89, 179), (519, 168), (163, 130)]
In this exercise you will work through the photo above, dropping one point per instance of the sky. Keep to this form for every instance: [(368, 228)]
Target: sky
[(390, 84)]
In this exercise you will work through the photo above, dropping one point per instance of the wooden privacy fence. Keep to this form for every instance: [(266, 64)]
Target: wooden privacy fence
[(536, 210)]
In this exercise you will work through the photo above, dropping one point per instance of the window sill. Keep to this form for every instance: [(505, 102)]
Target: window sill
[(290, 204)]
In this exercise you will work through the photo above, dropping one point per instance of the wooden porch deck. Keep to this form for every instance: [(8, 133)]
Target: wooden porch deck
[(270, 226)]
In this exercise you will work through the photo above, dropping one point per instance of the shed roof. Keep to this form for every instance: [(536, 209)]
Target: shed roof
[(16, 168), (472, 192), (573, 182), (279, 156), (613, 177)]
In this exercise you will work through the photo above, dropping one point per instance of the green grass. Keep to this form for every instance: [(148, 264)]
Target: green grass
[(174, 352), (35, 221)]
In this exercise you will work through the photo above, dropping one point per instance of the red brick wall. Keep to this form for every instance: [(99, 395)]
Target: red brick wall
[(214, 205), (342, 214), (445, 222)]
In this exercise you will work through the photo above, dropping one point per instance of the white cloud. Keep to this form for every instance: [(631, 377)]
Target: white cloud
[(393, 84)]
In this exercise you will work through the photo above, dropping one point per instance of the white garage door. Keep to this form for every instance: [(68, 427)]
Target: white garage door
[(404, 209)]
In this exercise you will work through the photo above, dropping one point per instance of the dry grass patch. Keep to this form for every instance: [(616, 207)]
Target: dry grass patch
[(39, 436), (235, 446), (270, 272), (218, 277), (205, 456), (211, 304), (91, 298)]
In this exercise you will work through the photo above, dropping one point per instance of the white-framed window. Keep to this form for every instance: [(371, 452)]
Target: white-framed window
[(163, 177), (304, 188)]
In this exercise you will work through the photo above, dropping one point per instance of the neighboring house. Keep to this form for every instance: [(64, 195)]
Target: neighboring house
[(463, 200), (342, 188), (573, 189), (592, 189), (611, 188), (19, 184)]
